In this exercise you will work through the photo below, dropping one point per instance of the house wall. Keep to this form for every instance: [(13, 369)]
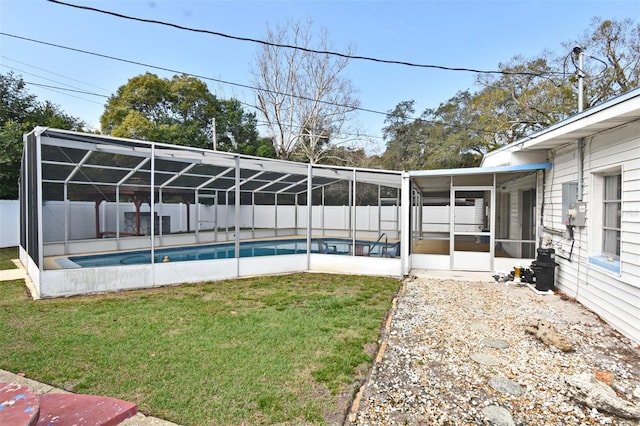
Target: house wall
[(614, 296)]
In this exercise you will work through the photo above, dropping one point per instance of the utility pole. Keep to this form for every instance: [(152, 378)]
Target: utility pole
[(580, 73), (213, 133)]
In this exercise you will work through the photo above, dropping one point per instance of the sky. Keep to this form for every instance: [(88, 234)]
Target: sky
[(475, 34)]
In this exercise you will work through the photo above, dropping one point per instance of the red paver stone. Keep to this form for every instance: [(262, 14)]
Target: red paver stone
[(18, 405), (83, 410)]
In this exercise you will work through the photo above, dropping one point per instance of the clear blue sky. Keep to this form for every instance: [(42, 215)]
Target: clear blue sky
[(471, 34)]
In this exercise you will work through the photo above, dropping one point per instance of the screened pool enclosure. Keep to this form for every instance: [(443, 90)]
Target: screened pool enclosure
[(160, 211), (102, 214)]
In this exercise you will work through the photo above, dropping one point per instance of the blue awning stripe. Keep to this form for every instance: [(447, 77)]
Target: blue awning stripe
[(480, 170)]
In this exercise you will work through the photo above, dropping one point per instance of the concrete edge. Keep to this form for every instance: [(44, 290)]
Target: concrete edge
[(36, 387), (43, 389), (352, 414), (20, 273)]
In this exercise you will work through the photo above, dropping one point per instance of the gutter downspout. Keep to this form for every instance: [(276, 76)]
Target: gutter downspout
[(580, 168)]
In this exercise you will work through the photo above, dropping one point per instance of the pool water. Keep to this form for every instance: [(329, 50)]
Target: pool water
[(227, 250)]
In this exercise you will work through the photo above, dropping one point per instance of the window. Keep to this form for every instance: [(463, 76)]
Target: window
[(605, 222), (612, 207)]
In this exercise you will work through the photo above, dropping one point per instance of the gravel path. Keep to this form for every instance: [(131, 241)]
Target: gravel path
[(456, 353)]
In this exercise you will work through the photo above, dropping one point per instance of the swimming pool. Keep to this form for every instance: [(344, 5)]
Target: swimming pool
[(227, 250)]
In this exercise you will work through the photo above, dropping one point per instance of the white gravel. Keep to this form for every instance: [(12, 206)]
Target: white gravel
[(446, 362)]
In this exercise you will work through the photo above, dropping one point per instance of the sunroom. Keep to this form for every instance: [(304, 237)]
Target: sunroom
[(475, 219)]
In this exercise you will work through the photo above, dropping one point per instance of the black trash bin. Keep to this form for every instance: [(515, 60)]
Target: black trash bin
[(545, 274), (544, 269), (546, 255)]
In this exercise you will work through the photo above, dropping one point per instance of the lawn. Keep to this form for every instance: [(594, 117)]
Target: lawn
[(6, 254), (279, 349)]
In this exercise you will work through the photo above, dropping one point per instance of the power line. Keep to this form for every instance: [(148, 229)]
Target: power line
[(58, 90), (303, 49), (244, 86), (263, 123), (70, 87), (418, 119), (54, 73), (258, 122), (84, 92)]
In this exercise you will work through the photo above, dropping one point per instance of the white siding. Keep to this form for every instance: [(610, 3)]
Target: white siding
[(614, 297)]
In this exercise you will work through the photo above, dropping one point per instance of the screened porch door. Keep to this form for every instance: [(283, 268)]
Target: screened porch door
[(471, 239)]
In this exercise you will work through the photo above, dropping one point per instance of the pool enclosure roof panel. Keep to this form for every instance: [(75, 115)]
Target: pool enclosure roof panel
[(75, 158)]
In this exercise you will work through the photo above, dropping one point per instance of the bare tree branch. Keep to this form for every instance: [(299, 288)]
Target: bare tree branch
[(302, 95)]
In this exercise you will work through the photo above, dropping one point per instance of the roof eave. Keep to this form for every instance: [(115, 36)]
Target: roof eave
[(618, 111)]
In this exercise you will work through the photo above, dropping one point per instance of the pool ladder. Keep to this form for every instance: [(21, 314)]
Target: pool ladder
[(384, 234)]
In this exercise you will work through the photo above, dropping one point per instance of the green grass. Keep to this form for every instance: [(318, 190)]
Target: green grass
[(255, 351), (6, 254)]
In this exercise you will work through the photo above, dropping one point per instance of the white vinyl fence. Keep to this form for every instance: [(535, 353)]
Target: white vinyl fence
[(9, 223), (82, 218)]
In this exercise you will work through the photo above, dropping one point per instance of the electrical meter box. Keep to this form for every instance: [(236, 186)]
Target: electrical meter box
[(579, 211), (569, 198)]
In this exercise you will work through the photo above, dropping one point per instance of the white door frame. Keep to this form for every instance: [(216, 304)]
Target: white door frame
[(469, 260)]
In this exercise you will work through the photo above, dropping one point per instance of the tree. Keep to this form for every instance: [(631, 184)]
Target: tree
[(405, 146), (181, 111), (439, 138), (303, 96), (237, 132), (20, 112), (612, 58), (516, 105), (529, 95), (10, 157)]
